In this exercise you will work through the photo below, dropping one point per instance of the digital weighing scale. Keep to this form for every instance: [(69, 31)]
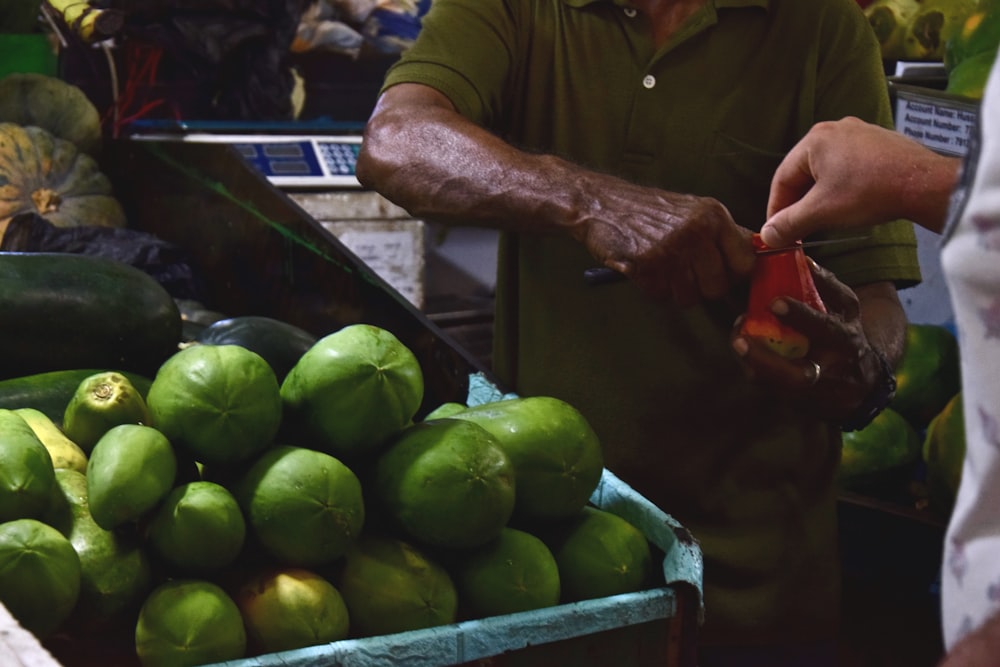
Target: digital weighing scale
[(291, 155)]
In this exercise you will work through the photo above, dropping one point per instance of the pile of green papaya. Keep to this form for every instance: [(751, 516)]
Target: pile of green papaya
[(912, 453), (260, 488)]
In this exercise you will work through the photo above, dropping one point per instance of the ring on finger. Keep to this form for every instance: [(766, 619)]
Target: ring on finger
[(813, 372)]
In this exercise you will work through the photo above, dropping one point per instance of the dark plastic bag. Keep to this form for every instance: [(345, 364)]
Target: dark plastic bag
[(168, 264)]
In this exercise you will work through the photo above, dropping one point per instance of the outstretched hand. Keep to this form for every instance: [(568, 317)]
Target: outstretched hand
[(849, 173)]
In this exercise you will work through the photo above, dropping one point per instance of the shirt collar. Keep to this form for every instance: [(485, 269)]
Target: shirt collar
[(718, 3)]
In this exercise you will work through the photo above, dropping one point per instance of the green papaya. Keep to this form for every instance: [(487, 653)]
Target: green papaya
[(943, 452), (879, 457), (27, 476), (391, 586), (446, 483), (100, 402), (599, 554), (39, 577), (557, 456), (130, 470), (115, 571), (64, 452), (446, 409)]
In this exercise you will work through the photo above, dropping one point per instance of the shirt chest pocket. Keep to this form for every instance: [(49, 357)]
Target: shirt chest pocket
[(739, 174)]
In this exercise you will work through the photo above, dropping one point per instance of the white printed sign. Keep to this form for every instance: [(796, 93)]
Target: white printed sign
[(942, 125), (394, 249)]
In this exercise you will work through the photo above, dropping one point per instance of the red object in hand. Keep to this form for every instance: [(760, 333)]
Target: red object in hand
[(779, 274)]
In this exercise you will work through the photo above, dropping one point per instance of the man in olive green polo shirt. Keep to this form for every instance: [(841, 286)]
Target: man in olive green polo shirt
[(642, 135)]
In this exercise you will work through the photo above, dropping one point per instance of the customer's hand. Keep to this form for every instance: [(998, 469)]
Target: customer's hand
[(673, 246), (849, 173)]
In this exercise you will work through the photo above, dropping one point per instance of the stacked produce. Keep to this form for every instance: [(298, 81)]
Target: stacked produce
[(914, 448), (916, 29), (963, 34), (50, 136), (263, 489)]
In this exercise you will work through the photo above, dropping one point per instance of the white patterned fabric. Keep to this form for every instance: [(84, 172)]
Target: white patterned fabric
[(971, 263)]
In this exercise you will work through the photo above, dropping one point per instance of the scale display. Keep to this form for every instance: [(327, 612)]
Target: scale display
[(289, 161)]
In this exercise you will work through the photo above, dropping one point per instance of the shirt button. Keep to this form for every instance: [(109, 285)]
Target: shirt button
[(630, 12), (648, 81)]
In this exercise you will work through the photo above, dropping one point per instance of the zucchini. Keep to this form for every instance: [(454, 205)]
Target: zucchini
[(51, 392), (64, 311), (280, 344)]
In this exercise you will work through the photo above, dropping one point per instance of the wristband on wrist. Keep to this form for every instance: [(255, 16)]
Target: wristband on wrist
[(876, 401)]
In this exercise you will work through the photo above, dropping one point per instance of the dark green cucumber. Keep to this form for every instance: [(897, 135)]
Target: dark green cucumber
[(280, 344), (50, 392), (64, 311)]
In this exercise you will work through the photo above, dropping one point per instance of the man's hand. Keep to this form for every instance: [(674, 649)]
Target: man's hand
[(840, 369), (673, 246), (850, 173)]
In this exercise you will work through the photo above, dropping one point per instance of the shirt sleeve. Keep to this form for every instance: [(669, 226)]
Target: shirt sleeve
[(464, 50)]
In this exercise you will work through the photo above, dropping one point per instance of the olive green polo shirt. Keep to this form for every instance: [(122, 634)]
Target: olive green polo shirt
[(710, 113)]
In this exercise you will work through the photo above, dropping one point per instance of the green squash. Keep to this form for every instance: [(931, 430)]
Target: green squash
[(66, 311)]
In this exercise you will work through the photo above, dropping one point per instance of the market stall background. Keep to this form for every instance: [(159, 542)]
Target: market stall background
[(280, 68)]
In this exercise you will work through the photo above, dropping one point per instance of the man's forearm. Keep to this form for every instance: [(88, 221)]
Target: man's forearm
[(424, 156), (439, 166)]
